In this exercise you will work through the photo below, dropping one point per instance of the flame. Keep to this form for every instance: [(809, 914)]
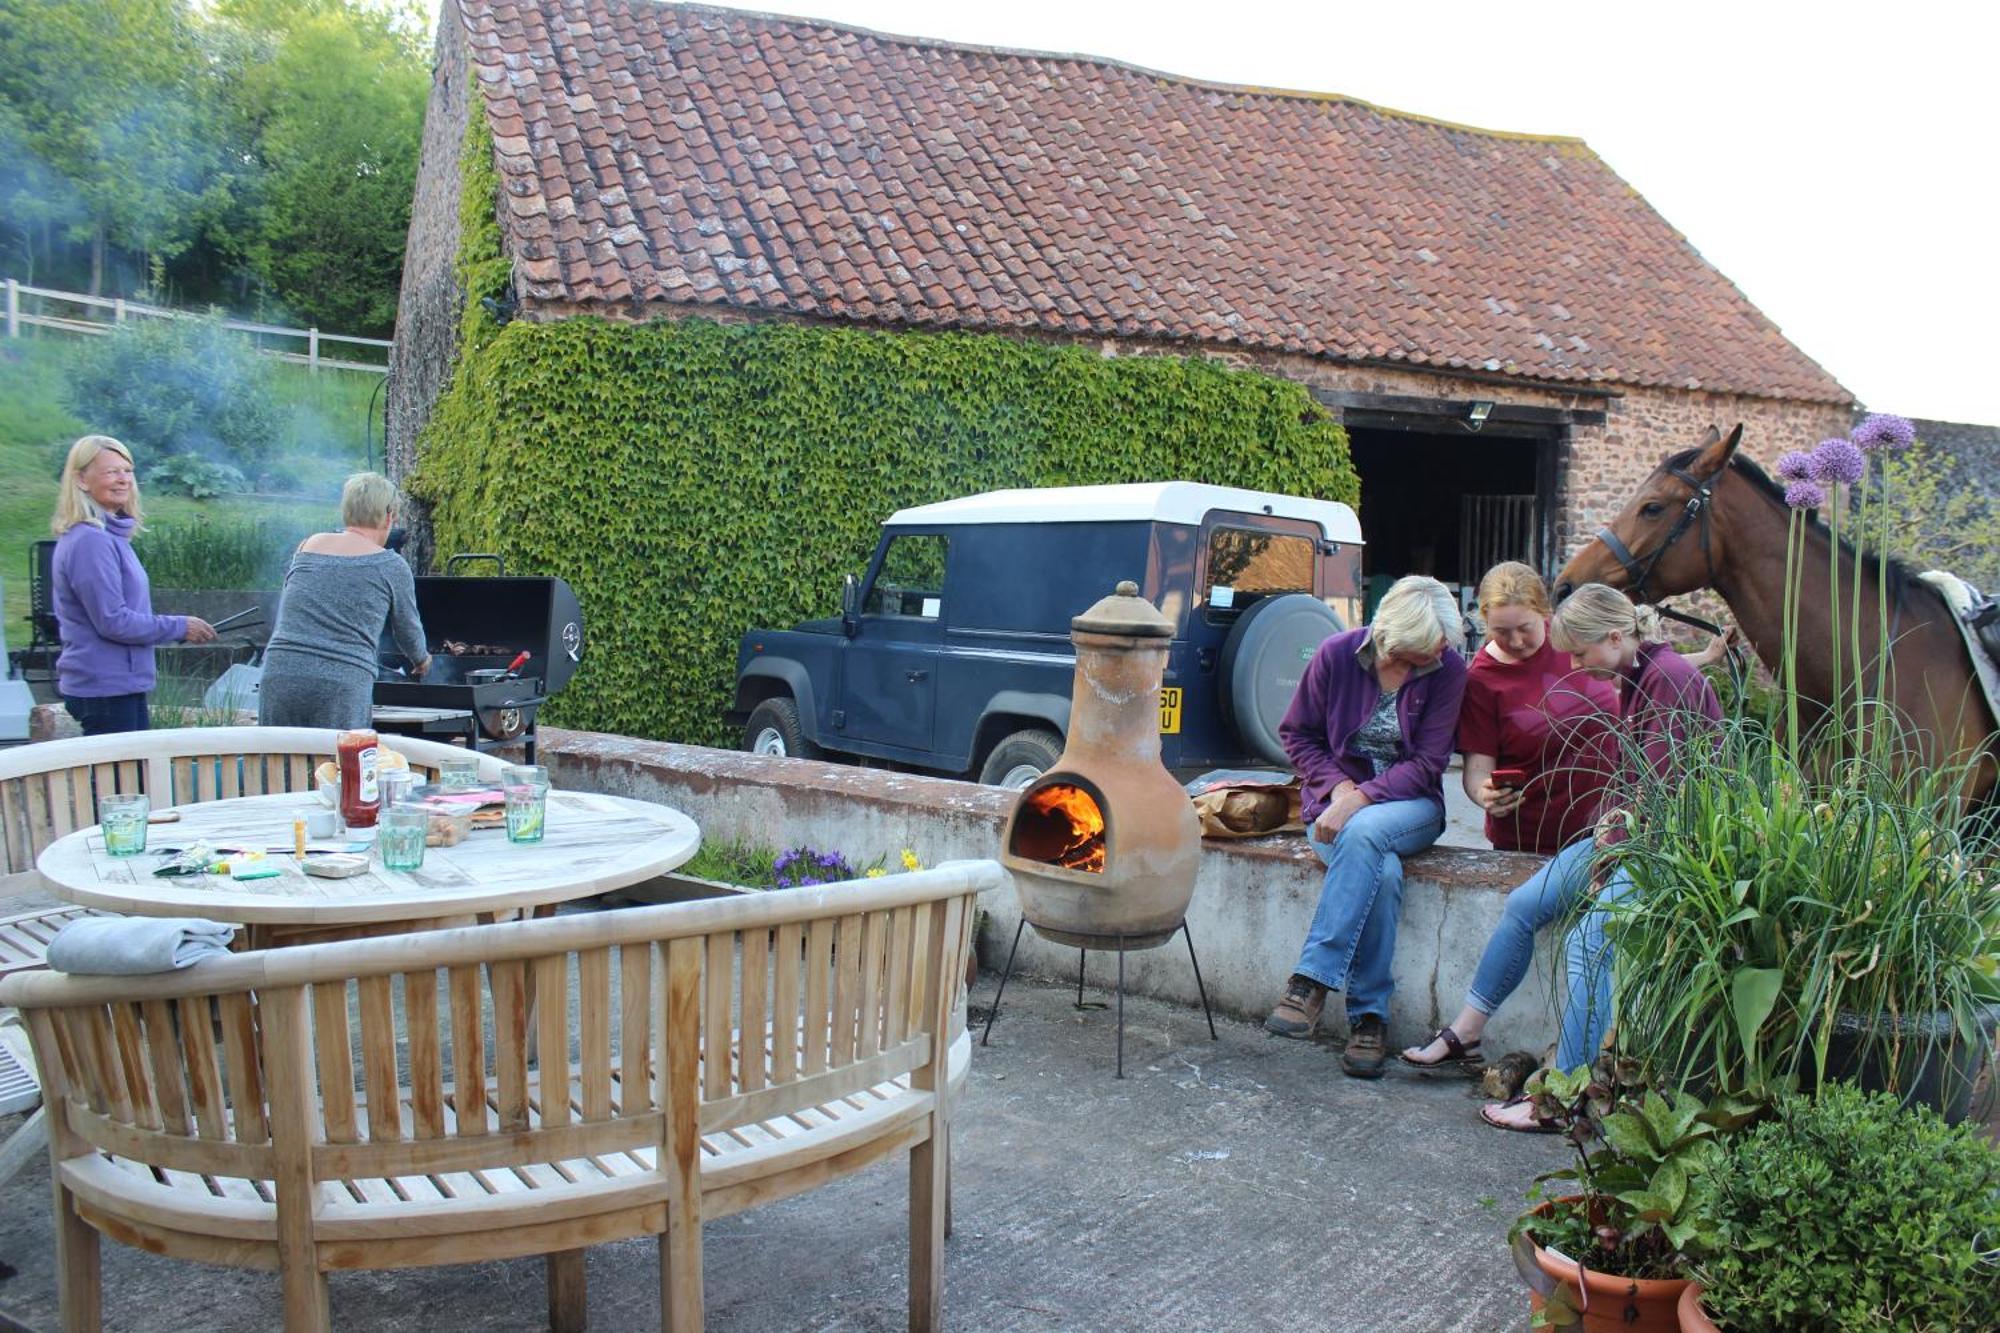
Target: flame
[(1062, 825)]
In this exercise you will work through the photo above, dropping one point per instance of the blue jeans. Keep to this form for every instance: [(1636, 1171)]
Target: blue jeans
[(1546, 896), (1587, 973), (1352, 942), (109, 714)]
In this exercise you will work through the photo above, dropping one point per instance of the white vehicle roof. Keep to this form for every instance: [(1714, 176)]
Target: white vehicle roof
[(1151, 501)]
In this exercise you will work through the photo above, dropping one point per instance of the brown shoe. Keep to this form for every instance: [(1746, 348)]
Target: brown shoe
[(1367, 1048), (1298, 1013)]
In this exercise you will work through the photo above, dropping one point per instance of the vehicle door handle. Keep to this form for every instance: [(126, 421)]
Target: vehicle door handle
[(914, 676)]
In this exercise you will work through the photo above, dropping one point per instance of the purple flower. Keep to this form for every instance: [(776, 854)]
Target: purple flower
[(1836, 461), (1805, 495), (1794, 465), (1883, 430)]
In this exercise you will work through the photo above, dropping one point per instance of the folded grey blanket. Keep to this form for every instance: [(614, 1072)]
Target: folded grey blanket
[(126, 945)]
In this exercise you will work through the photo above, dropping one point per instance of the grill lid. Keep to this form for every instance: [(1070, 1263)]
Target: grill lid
[(1125, 612)]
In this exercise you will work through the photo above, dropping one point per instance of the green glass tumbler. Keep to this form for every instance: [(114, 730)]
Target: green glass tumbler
[(123, 819)]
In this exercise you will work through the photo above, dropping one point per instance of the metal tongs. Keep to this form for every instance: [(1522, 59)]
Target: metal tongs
[(220, 625)]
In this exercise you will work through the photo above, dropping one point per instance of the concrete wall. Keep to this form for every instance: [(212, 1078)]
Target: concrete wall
[(1252, 903)]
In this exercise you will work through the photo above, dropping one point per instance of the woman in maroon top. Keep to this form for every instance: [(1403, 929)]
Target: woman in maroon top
[(1535, 720)]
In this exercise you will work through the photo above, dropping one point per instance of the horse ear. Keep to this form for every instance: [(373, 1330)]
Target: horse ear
[(1716, 452)]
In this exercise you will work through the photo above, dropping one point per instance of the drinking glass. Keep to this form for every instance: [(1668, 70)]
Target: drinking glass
[(459, 772), (123, 819), (401, 835), (396, 788), (527, 788)]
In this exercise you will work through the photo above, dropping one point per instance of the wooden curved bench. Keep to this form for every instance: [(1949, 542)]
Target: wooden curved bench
[(377, 1103)]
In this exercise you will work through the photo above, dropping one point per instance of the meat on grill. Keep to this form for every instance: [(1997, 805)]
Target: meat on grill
[(455, 648)]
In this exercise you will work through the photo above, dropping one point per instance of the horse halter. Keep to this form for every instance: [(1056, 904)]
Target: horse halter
[(1696, 508)]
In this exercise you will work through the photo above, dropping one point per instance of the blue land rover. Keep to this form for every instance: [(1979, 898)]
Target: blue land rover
[(952, 653)]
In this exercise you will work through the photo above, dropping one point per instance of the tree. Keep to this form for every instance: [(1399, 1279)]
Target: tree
[(335, 94), (109, 108)]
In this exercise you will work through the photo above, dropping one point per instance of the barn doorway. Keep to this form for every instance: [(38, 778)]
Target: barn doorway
[(1451, 487), (1450, 506)]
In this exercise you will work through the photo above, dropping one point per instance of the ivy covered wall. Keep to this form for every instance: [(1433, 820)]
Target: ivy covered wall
[(692, 480)]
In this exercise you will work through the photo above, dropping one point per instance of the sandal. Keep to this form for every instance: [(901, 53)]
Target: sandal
[(1536, 1126), (1462, 1055)]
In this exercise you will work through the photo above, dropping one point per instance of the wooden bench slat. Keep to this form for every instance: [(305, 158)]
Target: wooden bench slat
[(552, 1067), (240, 1059), (468, 1053), (593, 985), (420, 1017), (378, 1060)]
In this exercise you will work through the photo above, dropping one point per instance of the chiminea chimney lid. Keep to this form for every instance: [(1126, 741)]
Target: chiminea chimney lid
[(1125, 612)]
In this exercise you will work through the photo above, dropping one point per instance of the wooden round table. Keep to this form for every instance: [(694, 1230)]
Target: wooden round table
[(593, 844)]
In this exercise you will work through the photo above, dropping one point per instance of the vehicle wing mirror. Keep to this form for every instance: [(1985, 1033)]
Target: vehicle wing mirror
[(850, 605)]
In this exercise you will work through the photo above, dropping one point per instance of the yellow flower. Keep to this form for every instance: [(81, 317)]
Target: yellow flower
[(876, 872), (910, 861)]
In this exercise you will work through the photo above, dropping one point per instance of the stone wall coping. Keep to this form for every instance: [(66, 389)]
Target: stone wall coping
[(704, 770)]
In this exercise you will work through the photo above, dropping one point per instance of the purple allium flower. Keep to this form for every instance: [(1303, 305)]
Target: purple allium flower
[(1794, 465), (1883, 430), (1805, 495), (1837, 461)]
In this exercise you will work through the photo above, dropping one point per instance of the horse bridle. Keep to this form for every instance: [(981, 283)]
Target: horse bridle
[(1695, 511)]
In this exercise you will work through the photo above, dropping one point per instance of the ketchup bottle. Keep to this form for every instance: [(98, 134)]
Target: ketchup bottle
[(360, 792)]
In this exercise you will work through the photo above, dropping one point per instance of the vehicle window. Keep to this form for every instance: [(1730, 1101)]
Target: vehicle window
[(912, 579), (1244, 565)]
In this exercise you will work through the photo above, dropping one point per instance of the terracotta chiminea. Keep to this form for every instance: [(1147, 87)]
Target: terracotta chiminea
[(1105, 845)]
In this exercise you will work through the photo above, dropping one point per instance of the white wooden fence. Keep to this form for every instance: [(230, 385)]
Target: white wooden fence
[(87, 319)]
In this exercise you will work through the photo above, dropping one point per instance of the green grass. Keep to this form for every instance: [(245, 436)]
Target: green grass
[(324, 441)]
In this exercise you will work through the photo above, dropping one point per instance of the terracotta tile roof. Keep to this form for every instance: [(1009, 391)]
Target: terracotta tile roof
[(674, 153)]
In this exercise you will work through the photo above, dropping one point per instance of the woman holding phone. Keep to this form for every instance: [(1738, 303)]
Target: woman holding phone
[(1533, 730), (1536, 733)]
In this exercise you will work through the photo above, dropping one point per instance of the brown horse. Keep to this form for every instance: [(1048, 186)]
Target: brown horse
[(1709, 518)]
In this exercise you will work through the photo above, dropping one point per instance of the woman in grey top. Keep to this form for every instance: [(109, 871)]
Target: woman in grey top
[(342, 589)]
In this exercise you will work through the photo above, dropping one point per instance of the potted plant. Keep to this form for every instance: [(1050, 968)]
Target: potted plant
[(1797, 923), (1847, 1212), (1614, 1253)]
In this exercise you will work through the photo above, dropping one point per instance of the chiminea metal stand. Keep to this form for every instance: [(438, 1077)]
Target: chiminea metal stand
[(1081, 956)]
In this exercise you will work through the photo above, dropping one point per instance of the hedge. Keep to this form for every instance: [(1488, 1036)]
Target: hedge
[(693, 480)]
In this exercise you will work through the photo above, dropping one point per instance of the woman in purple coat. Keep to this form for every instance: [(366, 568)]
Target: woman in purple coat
[(1370, 732), (103, 604)]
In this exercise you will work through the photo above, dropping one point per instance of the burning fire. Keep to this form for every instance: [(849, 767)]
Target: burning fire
[(1062, 825)]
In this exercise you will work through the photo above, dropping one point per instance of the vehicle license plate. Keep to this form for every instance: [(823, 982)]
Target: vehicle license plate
[(1170, 710)]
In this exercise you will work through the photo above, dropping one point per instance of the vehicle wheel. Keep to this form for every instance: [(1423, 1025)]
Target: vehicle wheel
[(1021, 758), (774, 728), (1263, 659)]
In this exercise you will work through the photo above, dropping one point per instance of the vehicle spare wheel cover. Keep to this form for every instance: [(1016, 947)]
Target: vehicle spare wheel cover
[(1263, 659)]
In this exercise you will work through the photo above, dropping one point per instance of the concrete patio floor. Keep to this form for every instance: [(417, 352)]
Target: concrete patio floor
[(1242, 1184)]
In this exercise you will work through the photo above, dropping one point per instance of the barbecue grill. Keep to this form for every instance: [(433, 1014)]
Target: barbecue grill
[(477, 628)]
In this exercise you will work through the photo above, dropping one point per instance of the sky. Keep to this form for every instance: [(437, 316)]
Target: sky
[(1837, 162)]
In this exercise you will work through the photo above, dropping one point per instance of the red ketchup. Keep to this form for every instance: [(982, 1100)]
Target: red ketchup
[(360, 792)]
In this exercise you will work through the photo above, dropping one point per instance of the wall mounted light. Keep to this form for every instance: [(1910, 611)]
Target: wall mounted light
[(1477, 412)]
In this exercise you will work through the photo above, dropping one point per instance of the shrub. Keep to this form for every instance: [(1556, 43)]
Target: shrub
[(178, 386), (1845, 1213), (206, 552), (194, 476)]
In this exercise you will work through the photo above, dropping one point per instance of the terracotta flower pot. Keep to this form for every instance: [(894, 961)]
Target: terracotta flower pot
[(1617, 1304), (1694, 1319)]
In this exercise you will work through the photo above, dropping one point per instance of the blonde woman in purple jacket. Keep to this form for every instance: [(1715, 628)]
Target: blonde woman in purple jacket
[(1370, 732), (103, 603)]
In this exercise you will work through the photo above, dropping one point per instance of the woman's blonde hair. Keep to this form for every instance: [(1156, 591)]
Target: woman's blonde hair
[(367, 500), (1413, 615), (1590, 615), (1511, 583), (73, 503)]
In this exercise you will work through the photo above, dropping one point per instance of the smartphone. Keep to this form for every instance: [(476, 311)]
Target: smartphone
[(1510, 777)]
